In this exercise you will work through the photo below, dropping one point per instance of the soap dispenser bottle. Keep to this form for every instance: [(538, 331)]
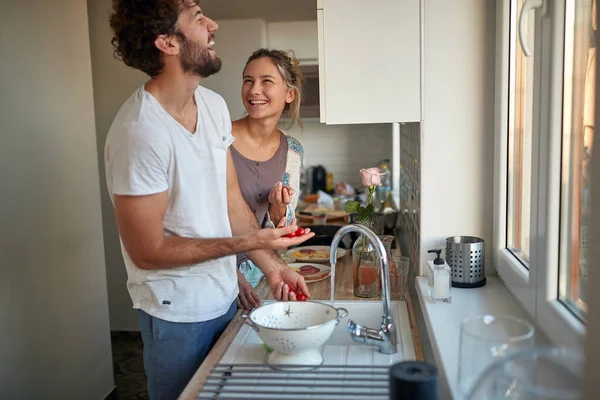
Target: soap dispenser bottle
[(439, 278)]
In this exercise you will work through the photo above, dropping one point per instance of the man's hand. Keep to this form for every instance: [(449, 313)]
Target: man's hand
[(281, 281), (247, 298), (276, 238)]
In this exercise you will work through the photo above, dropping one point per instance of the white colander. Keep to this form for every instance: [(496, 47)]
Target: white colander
[(295, 330)]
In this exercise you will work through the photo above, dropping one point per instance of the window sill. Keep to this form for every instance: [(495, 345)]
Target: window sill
[(443, 322)]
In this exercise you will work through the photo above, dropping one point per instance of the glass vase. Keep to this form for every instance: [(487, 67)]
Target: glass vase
[(365, 268)]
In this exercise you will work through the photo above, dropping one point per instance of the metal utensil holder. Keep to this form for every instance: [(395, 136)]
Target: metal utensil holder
[(466, 257)]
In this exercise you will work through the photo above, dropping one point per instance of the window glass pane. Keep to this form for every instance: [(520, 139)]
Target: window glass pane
[(519, 137), (577, 143)]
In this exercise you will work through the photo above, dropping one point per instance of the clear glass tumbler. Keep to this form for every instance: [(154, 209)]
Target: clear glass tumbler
[(539, 373), (319, 218), (486, 338), (399, 267)]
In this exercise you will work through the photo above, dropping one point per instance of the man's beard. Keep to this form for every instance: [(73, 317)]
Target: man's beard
[(197, 60)]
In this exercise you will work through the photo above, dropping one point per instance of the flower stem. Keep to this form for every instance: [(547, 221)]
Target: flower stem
[(360, 255), (362, 245)]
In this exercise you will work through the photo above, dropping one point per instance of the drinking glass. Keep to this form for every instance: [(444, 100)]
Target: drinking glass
[(538, 373), (399, 267), (319, 219), (484, 339)]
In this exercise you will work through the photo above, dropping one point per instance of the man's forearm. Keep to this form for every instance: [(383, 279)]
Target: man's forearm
[(176, 251)]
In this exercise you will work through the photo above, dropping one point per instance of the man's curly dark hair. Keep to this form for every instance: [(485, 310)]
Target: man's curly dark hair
[(137, 23)]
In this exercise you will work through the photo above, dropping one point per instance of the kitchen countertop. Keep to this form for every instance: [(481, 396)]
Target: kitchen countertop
[(319, 291)]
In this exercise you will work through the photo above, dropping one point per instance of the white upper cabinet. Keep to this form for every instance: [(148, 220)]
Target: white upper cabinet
[(300, 36), (369, 61)]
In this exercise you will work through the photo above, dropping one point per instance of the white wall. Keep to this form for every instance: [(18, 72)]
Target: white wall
[(345, 149), (113, 84), (54, 334), (458, 130)]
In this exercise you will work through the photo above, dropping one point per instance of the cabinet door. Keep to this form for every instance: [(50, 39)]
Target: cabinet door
[(300, 36), (370, 56)]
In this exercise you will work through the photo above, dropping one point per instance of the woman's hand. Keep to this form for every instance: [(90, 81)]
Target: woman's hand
[(279, 198), (247, 298)]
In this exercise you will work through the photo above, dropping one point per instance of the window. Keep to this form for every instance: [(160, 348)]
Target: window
[(545, 85), (577, 143), (520, 121)]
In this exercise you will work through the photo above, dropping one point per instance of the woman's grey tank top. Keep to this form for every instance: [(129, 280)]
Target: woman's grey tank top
[(257, 178)]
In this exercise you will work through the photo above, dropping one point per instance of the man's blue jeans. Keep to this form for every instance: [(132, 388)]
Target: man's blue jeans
[(173, 351)]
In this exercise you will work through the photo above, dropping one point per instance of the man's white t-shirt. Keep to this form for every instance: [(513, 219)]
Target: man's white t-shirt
[(147, 152)]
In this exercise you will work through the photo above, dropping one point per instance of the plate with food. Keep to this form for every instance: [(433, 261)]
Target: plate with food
[(313, 253), (311, 272), (309, 213)]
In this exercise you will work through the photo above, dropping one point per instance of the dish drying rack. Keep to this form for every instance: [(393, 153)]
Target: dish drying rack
[(259, 381)]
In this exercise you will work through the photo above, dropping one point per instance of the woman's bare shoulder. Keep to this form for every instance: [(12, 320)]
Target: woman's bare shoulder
[(238, 127)]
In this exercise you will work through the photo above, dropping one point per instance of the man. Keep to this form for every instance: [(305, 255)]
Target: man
[(175, 192)]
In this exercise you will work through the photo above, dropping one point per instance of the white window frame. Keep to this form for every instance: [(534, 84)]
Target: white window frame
[(535, 288)]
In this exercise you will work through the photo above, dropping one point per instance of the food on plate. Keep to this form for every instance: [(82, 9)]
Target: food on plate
[(312, 273), (317, 276), (311, 254), (308, 270), (310, 212)]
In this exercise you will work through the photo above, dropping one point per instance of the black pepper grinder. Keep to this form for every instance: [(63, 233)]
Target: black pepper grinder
[(413, 380)]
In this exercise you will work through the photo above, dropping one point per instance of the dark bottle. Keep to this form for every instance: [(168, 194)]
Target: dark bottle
[(319, 179), (413, 380)]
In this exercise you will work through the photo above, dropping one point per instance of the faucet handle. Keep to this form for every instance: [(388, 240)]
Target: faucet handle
[(363, 334)]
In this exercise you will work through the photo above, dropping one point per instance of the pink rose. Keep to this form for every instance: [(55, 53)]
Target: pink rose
[(371, 176)]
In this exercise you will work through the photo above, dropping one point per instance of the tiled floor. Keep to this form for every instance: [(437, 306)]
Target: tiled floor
[(128, 366)]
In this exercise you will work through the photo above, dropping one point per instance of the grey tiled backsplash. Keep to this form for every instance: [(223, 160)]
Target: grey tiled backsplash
[(410, 184)]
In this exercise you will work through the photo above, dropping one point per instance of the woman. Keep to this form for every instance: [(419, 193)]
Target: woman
[(267, 160)]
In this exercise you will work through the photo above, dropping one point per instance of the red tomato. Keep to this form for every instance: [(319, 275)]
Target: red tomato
[(299, 232), (299, 296)]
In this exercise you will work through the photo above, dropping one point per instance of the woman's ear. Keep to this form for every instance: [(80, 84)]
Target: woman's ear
[(290, 96)]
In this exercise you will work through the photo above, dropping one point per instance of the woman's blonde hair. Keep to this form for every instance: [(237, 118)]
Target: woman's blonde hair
[(287, 64)]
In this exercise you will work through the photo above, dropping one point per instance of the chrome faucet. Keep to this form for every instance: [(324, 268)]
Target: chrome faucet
[(384, 338)]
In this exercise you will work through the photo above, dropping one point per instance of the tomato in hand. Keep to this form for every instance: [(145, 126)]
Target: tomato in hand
[(298, 232), (299, 296)]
